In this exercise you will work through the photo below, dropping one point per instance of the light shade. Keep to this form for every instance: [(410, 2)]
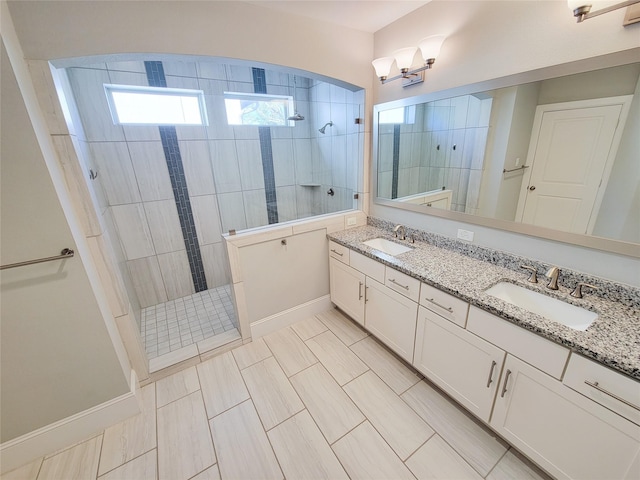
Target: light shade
[(404, 57), (383, 66), (573, 4), (430, 46)]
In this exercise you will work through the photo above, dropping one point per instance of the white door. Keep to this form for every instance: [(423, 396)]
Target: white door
[(391, 317), (564, 432), (462, 364), (572, 148), (347, 289)]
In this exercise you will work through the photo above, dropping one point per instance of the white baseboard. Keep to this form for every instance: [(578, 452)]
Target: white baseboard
[(287, 317), (70, 430)]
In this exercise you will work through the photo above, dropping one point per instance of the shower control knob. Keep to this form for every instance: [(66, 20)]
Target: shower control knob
[(331, 192), (532, 188)]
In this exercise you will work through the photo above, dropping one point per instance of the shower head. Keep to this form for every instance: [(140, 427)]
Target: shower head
[(296, 117), (328, 124)]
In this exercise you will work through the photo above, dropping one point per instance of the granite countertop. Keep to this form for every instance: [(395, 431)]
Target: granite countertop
[(613, 339)]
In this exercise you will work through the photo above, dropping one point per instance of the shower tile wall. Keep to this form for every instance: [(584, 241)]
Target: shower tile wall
[(222, 166), (444, 147)]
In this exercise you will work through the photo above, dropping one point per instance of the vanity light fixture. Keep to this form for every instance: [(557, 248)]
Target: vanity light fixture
[(582, 8), (429, 48)]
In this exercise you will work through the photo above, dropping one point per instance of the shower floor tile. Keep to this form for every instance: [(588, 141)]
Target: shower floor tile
[(176, 324)]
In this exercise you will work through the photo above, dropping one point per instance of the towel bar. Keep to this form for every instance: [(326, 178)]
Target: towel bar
[(65, 253)]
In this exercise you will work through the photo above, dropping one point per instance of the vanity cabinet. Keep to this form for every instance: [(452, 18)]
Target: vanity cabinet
[(381, 299), (574, 417), (561, 430), (462, 364), (347, 289), (391, 317)]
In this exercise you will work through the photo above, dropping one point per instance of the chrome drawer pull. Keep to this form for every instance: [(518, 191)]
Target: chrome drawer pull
[(490, 379), (504, 387), (336, 252), (613, 395), (360, 290), (448, 309), (392, 280)]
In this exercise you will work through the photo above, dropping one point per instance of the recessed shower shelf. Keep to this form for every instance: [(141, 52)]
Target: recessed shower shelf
[(310, 185)]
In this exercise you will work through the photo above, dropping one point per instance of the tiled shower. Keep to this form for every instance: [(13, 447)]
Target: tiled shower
[(438, 145), (168, 193)]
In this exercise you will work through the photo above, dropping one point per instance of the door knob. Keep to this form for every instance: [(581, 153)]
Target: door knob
[(532, 188)]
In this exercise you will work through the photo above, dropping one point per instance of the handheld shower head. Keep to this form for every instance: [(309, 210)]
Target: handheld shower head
[(328, 124)]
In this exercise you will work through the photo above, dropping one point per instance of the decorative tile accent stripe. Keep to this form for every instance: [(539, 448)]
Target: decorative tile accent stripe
[(396, 161), (169, 137), (260, 86)]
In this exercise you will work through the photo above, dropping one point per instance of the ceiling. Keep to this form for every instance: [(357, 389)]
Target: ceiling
[(365, 15)]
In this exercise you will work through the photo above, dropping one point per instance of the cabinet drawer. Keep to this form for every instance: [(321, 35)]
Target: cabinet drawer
[(445, 305), (366, 265), (613, 390), (533, 349), (339, 252), (402, 283)]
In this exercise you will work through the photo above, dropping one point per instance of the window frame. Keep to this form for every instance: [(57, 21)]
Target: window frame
[(110, 88), (289, 107)]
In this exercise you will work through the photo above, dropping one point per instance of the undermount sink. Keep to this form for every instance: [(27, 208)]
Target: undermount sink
[(387, 246), (548, 307)]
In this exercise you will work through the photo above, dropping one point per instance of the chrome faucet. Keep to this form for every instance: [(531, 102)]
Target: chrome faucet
[(400, 232), (552, 275)]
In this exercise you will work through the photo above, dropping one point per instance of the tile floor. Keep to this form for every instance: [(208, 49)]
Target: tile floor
[(170, 326), (319, 399)]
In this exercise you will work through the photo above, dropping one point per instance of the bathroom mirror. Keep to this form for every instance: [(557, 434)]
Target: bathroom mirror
[(552, 153)]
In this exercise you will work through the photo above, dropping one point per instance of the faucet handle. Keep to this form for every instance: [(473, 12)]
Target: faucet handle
[(533, 278), (577, 292)]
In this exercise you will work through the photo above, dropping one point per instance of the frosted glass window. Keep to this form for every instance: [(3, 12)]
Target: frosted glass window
[(400, 115), (258, 109), (131, 105)]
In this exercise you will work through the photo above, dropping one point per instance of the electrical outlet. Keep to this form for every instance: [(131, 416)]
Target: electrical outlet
[(465, 235), (351, 221)]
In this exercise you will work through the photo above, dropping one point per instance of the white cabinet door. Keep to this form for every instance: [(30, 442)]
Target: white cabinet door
[(462, 364), (347, 289), (565, 433), (391, 317)]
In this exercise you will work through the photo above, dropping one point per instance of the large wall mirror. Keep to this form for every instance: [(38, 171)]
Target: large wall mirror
[(544, 153)]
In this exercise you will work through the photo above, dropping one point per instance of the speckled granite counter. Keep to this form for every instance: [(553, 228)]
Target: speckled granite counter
[(613, 339)]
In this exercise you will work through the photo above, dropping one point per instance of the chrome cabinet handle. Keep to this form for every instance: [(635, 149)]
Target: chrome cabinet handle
[(336, 252), (360, 290), (448, 309), (506, 380), (392, 280), (490, 379), (613, 395), (365, 294)]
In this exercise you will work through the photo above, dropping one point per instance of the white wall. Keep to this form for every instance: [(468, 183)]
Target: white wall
[(54, 340), (490, 40), (619, 214), (214, 28)]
